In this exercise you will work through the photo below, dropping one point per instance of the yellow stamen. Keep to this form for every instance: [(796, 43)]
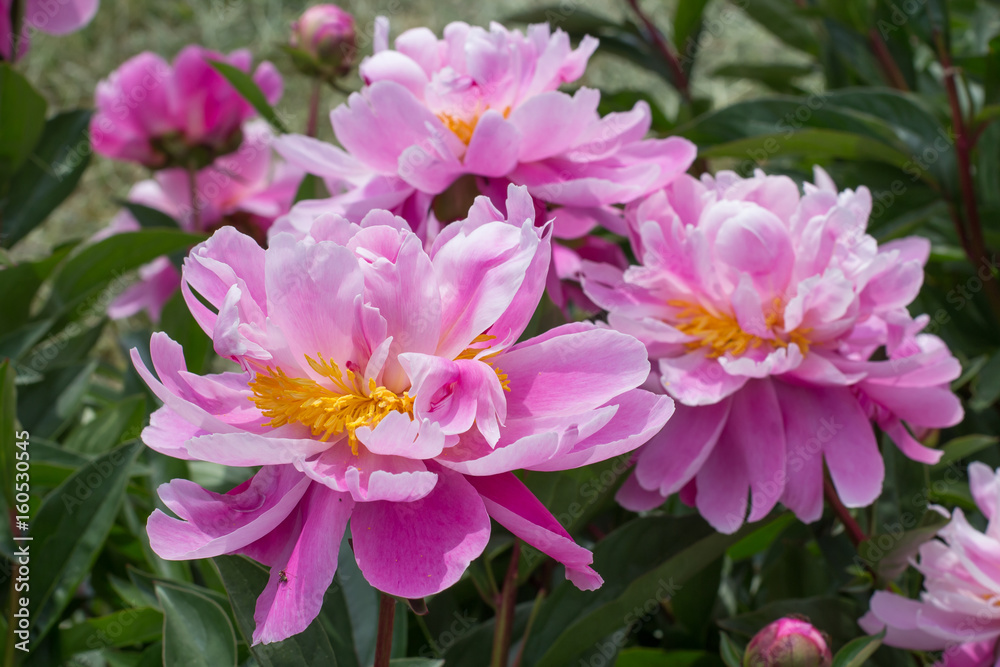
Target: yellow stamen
[(328, 412), (721, 332), (471, 352), (462, 128)]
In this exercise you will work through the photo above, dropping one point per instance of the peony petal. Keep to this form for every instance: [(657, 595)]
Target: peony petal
[(673, 457), (514, 507), (801, 410), (212, 524), (849, 446), (305, 568), (493, 148), (571, 370), (412, 550)]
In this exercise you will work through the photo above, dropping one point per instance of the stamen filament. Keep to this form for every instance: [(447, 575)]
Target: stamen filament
[(327, 412)]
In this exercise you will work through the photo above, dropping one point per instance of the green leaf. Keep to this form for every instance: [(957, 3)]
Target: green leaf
[(964, 447), (49, 177), (567, 627), (8, 439), (178, 323), (22, 120), (760, 539), (148, 217), (18, 286), (786, 115), (111, 427), (687, 25), (120, 629), (656, 657), (97, 265), (855, 652), (986, 386), (69, 531), (890, 552), (244, 580), (912, 123), (48, 406), (577, 22), (777, 77), (816, 144), (731, 654), (196, 630), (245, 86), (783, 19)]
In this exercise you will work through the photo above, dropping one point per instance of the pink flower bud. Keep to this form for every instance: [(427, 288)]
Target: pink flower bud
[(323, 41), (788, 642)]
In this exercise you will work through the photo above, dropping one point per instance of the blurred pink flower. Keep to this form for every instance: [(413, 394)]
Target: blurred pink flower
[(246, 189), (959, 608), (764, 309), (168, 116), (788, 642), (325, 39), (381, 383), (482, 104), (55, 17)]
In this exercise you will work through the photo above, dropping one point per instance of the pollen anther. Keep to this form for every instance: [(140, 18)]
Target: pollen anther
[(346, 407)]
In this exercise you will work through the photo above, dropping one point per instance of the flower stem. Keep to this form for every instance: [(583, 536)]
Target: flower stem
[(383, 642), (314, 99), (885, 59), (17, 11), (974, 242), (854, 532), (680, 78), (192, 172), (505, 611)]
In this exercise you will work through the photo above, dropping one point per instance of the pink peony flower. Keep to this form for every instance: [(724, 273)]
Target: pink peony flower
[(959, 609), (380, 383), (324, 41), (788, 642), (485, 105), (163, 116), (55, 17), (764, 310), (246, 189)]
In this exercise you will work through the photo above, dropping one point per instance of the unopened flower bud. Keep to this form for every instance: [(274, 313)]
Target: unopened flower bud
[(323, 41), (788, 642)]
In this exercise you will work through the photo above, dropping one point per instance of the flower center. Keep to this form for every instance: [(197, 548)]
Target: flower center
[(470, 352), (721, 333), (328, 412), (462, 127)]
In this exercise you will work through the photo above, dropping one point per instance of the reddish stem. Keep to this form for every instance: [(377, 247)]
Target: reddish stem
[(854, 532), (683, 85), (505, 611), (888, 63), (383, 641), (313, 122), (975, 246)]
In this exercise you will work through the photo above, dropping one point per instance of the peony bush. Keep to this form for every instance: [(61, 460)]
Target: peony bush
[(510, 363)]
